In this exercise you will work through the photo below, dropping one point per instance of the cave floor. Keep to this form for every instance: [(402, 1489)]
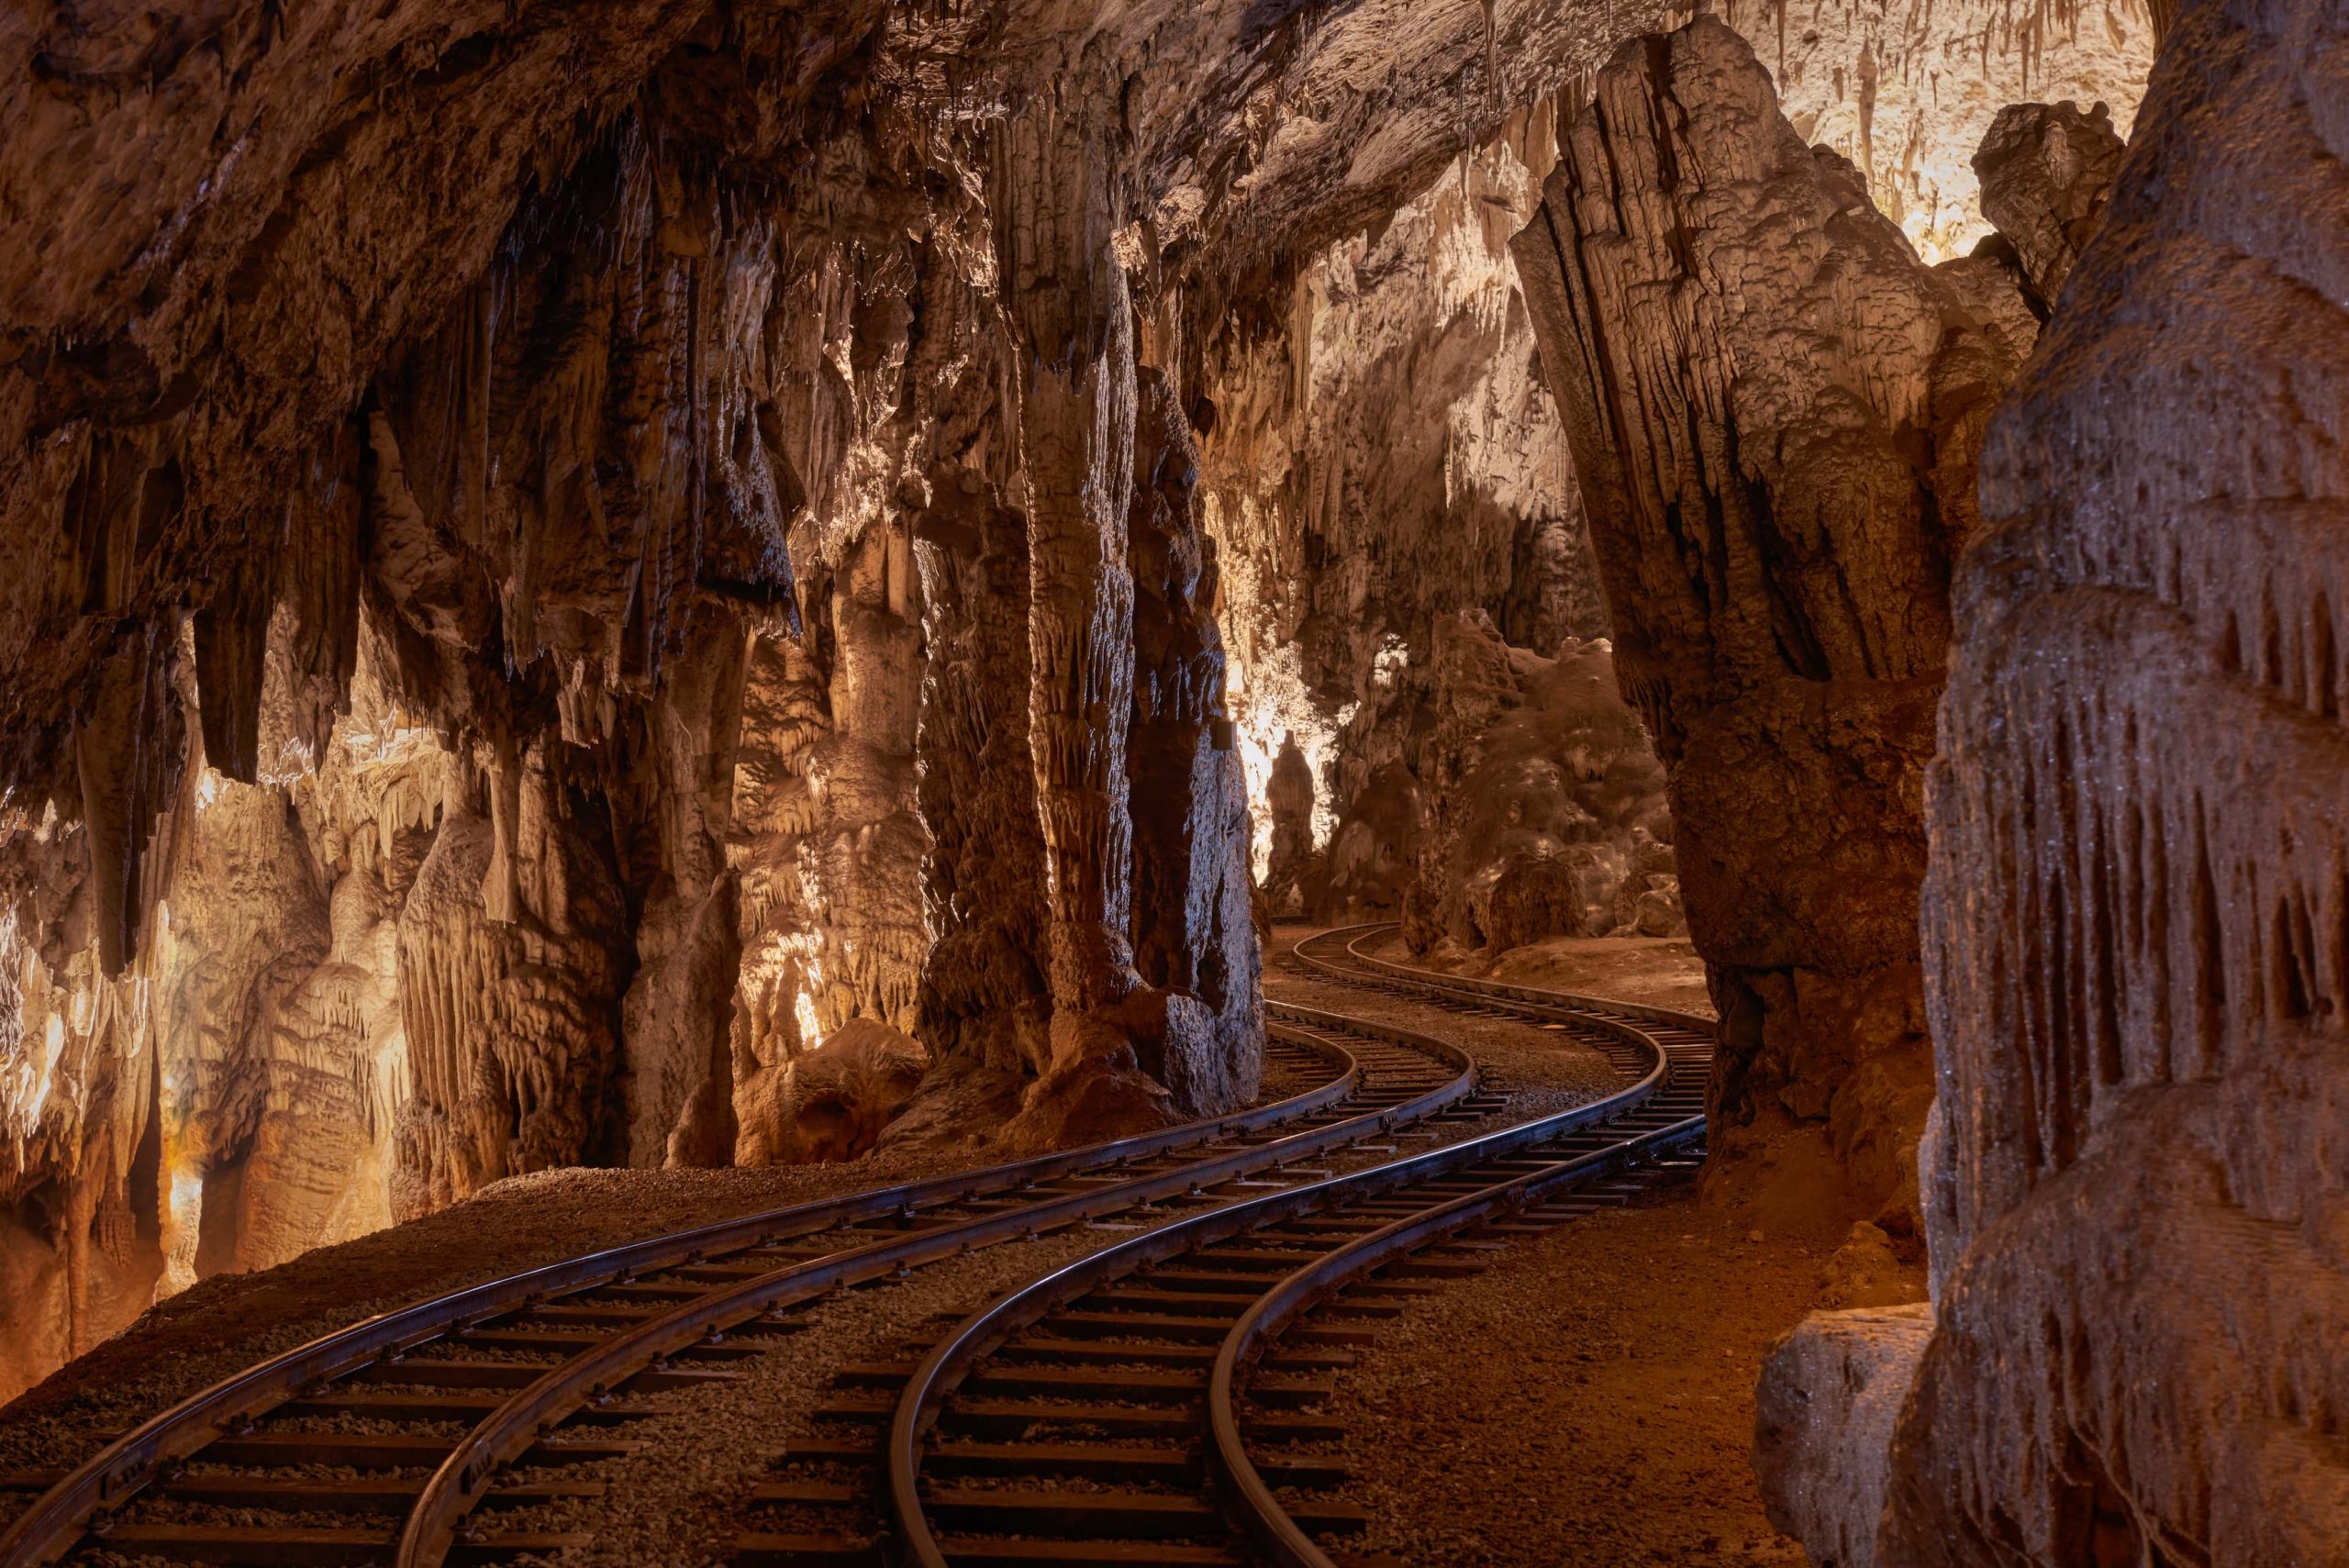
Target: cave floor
[(1642, 1330), (229, 1321), (1657, 971), (1618, 1429)]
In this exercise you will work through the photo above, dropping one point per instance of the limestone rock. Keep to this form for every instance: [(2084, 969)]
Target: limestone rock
[(513, 1024), (1831, 1391), (1290, 798), (2135, 897), (641, 492), (1904, 91), (838, 1097), (1381, 456), (1777, 475), (2047, 172), (1200, 1021), (1656, 911), (1546, 797)]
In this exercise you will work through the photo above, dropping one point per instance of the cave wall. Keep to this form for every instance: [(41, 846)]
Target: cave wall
[(1545, 812), (2134, 904), (1775, 407), (1381, 454), (552, 498), (1378, 457), (564, 485), (1905, 89)]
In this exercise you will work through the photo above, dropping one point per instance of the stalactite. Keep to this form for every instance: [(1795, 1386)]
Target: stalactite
[(128, 751)]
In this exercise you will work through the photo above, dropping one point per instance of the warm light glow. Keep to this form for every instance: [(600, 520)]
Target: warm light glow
[(1265, 702), (54, 1048), (183, 1222)]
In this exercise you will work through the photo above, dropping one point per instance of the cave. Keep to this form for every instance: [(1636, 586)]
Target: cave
[(1243, 782)]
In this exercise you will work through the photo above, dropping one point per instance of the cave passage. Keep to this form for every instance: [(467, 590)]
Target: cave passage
[(1600, 737)]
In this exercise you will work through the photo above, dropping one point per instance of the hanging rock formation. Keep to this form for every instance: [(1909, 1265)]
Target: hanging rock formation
[(1194, 948), (1773, 408), (1905, 89), (2135, 906), (2046, 170)]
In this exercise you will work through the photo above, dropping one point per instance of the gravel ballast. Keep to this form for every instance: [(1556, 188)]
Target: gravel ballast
[(230, 1321), (684, 1498)]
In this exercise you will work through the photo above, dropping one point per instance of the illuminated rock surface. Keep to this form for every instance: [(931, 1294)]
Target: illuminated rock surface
[(612, 582), (2137, 978), (1777, 476)]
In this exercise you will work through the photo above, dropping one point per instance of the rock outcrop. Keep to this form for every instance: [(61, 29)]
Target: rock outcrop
[(2134, 911), (1773, 408), (1905, 90), (1378, 457), (1547, 814), (2046, 170), (1829, 1397)]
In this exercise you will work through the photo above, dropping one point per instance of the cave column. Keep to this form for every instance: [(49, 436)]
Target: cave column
[(1774, 407), (1065, 290)]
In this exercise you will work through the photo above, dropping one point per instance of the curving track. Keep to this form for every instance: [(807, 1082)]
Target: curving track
[(1150, 1405), (1140, 1406), (380, 1443)]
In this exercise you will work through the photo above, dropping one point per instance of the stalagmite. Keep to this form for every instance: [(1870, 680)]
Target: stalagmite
[(1200, 1019), (1778, 474)]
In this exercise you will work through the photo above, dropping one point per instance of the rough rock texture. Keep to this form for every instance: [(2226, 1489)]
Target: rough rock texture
[(1773, 408), (1831, 1391), (1547, 814), (838, 1097), (670, 414), (624, 439), (2047, 172), (2135, 906), (1194, 936), (1379, 457)]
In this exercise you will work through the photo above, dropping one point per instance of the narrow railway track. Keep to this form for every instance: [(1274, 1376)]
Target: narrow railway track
[(383, 1443), (1151, 1405)]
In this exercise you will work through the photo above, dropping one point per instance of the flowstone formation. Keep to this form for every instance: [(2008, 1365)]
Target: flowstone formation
[(1546, 813), (1778, 474), (2133, 989), (1390, 488), (1380, 457), (2135, 905)]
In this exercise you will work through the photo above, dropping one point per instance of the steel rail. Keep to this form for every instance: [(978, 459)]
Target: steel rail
[(1240, 1490), (56, 1523), (1468, 988), (979, 1334), (463, 1478)]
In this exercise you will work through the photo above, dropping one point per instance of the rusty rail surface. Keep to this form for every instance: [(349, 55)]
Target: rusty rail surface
[(1660, 1112), (60, 1519)]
